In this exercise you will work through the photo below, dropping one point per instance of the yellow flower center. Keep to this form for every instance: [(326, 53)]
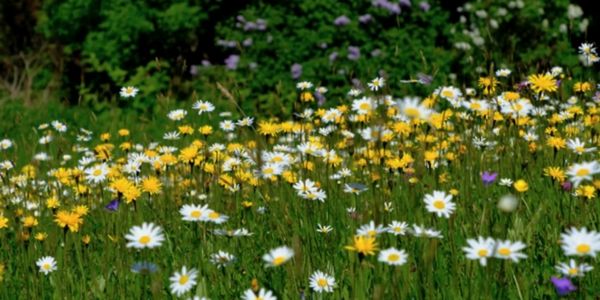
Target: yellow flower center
[(278, 260), (145, 239), (183, 279), (411, 112), (196, 214), (372, 232), (448, 94), (322, 282), (214, 215), (97, 172), (364, 106), (439, 204), (46, 266), (482, 253), (393, 257), (573, 271), (583, 172), (583, 248), (504, 251)]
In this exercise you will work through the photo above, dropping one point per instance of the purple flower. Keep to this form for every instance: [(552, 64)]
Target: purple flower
[(296, 71), (391, 7), (341, 21), (320, 98), (206, 63), (563, 285), (113, 205), (232, 61), (193, 70), (249, 26), (248, 42), (261, 24), (566, 186), (488, 177), (424, 78), (353, 53), (333, 56), (405, 3), (365, 18), (523, 85), (424, 6)]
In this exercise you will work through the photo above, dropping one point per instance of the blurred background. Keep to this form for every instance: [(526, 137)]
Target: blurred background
[(77, 54)]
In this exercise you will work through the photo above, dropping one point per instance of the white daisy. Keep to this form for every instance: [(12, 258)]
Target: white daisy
[(177, 115), (583, 171), (440, 203), (184, 281), (393, 256), (503, 73), (304, 85), (97, 173), (480, 249), (203, 106), (577, 146), (376, 83), (573, 269), (580, 242), (47, 264), (128, 92), (509, 250), (194, 213), (263, 294), (221, 259), (397, 228), (278, 256), (370, 230), (321, 282), (146, 236), (363, 105)]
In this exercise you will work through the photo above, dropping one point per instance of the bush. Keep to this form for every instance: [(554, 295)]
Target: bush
[(259, 49)]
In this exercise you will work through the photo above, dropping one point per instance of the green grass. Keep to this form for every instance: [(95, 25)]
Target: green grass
[(436, 268)]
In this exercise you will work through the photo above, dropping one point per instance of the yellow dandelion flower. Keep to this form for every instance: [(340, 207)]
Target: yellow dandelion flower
[(363, 245), (542, 83)]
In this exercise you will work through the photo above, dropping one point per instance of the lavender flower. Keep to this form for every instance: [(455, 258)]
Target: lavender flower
[(405, 3), (365, 18), (353, 53), (248, 42), (393, 8), (341, 21), (333, 56), (296, 71), (488, 177), (249, 26), (193, 70), (206, 63), (320, 98), (563, 286), (232, 61), (424, 6), (261, 24), (424, 78)]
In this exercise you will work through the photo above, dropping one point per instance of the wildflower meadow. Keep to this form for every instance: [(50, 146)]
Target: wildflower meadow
[(409, 184)]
